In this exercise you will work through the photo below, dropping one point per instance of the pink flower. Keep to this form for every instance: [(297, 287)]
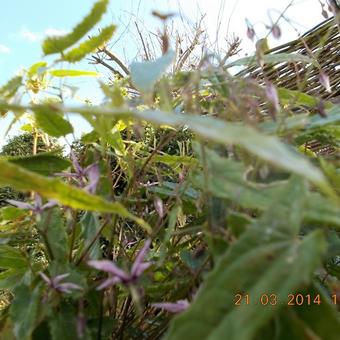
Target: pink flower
[(54, 283), (118, 275), (87, 177), (176, 307), (37, 207)]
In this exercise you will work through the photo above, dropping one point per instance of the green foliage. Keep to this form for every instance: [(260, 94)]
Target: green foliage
[(53, 228), (10, 89), (51, 122), (78, 53), (193, 189), (19, 150), (21, 179), (22, 146), (72, 73), (42, 163), (267, 258), (25, 319), (53, 45)]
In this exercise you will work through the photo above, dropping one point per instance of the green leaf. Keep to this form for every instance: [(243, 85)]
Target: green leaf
[(35, 68), (24, 311), (51, 122), (273, 59), (10, 89), (304, 321), (58, 44), (55, 233), (298, 98), (90, 226), (89, 46), (90, 137), (333, 117), (323, 320), (44, 163), (11, 213), (265, 147), (144, 75), (115, 140), (268, 148), (174, 160), (72, 73), (269, 258), (63, 324), (227, 180), (21, 179), (11, 277), (322, 210), (11, 258)]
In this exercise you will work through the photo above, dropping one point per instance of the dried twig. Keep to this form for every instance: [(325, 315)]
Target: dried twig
[(147, 57)]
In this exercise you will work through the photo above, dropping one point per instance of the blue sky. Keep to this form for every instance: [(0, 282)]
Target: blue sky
[(24, 24)]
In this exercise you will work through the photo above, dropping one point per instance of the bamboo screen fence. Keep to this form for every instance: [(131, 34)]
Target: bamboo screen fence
[(322, 43)]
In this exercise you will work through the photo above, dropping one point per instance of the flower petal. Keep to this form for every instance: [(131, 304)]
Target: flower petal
[(45, 278), (140, 257), (38, 201), (59, 278), (75, 163), (324, 81), (177, 307), (109, 282), (20, 205), (109, 267), (49, 204), (272, 95), (67, 174), (140, 269), (67, 287), (93, 175)]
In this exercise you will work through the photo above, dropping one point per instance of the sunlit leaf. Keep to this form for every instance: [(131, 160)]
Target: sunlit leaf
[(90, 45), (51, 122), (58, 44), (268, 148), (11, 87), (145, 74), (72, 73), (35, 68)]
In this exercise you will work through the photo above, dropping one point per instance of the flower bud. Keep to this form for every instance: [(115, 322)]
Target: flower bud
[(276, 31), (250, 32), (324, 81)]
